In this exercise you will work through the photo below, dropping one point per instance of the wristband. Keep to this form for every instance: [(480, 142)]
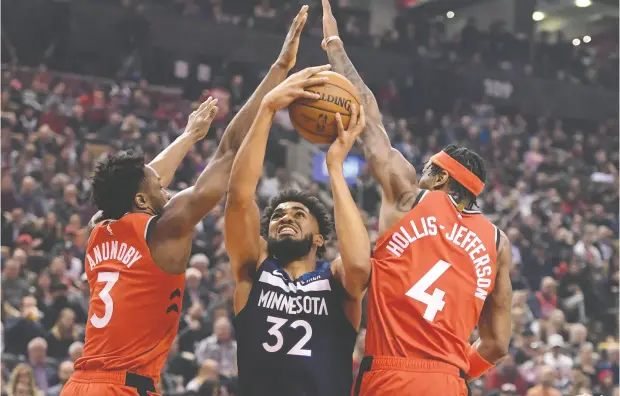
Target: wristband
[(477, 364), (327, 40)]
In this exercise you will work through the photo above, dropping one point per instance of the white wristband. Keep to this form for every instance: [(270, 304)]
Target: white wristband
[(326, 41)]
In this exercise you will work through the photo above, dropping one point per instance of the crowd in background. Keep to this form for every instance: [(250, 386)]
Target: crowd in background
[(552, 55), (552, 186)]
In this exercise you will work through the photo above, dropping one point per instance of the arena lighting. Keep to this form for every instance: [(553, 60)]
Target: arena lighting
[(583, 3), (576, 42), (538, 16), (587, 39), (450, 14)]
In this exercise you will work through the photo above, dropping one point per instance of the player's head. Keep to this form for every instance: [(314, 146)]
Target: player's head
[(294, 223), (122, 183), (458, 171)]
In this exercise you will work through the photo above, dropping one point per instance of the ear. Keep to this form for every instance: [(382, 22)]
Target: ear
[(440, 180), (319, 240), (141, 201)]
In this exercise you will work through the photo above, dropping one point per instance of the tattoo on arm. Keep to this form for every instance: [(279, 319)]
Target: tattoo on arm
[(374, 139)]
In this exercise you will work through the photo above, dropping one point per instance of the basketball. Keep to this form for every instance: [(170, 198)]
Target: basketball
[(315, 120)]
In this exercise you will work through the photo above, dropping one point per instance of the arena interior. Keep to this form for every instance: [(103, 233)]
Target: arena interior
[(532, 85)]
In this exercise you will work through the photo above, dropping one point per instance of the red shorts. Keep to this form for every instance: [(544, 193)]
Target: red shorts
[(393, 376), (108, 383)]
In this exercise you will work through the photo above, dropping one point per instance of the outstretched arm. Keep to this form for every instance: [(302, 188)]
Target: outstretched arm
[(494, 324), (191, 205), (353, 266), (394, 173), (242, 221)]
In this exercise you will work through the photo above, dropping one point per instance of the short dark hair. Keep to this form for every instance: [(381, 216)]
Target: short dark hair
[(314, 205), (470, 160), (116, 182)]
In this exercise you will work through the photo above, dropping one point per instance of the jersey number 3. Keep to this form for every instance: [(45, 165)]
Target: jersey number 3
[(110, 279), (434, 302), (297, 349)]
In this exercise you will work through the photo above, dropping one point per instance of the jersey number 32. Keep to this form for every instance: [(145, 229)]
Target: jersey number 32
[(297, 349), (434, 302)]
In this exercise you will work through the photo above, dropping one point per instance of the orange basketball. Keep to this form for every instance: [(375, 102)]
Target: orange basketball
[(315, 120)]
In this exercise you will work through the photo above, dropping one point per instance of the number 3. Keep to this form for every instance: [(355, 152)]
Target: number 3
[(297, 349), (434, 303), (110, 279)]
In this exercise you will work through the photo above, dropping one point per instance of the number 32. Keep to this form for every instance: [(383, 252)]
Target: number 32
[(297, 349)]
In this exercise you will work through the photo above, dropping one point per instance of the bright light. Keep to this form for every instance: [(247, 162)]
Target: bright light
[(576, 42), (583, 3), (587, 39), (538, 16), (450, 14)]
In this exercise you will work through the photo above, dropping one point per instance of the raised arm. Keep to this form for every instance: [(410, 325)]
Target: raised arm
[(494, 324), (353, 266), (242, 220), (191, 205), (394, 173)]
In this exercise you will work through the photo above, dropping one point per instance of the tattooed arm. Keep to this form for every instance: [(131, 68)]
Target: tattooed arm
[(397, 177)]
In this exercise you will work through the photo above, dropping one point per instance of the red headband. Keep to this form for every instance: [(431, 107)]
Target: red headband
[(458, 172)]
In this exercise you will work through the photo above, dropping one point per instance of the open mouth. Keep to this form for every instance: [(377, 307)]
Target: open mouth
[(286, 230)]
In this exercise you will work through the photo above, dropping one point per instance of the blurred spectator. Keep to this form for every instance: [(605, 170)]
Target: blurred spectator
[(43, 369), (220, 347), (22, 382), (65, 369), (546, 387)]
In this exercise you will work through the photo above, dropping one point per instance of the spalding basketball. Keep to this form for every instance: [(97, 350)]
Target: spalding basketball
[(315, 120)]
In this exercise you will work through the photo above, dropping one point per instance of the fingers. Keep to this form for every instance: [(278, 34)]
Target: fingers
[(327, 8), (310, 71), (309, 95), (340, 126), (207, 110), (361, 122), (212, 113), (312, 81), (302, 17), (354, 117)]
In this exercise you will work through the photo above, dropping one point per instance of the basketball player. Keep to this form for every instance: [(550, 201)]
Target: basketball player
[(137, 256), (296, 315), (439, 267)]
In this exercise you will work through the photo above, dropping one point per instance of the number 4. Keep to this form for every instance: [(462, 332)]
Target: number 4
[(434, 303)]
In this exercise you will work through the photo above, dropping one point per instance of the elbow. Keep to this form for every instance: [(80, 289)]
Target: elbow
[(498, 350), (501, 349)]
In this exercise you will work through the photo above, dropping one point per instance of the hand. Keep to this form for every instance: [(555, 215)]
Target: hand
[(342, 145), (330, 26), (294, 88), (288, 54), (200, 120)]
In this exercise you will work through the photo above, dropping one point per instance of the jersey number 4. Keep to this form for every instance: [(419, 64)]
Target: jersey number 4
[(110, 279), (297, 349), (434, 302)]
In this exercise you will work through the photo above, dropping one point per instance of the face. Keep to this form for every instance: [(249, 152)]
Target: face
[(64, 371), (153, 195), (293, 231), (222, 330), (37, 354), (432, 182), (67, 319)]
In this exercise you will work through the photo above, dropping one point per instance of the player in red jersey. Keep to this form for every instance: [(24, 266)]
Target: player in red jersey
[(137, 254), (439, 268)]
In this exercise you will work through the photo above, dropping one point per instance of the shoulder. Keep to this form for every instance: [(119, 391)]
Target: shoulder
[(503, 244)]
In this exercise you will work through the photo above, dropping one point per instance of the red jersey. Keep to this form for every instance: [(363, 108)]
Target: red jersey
[(134, 308), (431, 274)]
